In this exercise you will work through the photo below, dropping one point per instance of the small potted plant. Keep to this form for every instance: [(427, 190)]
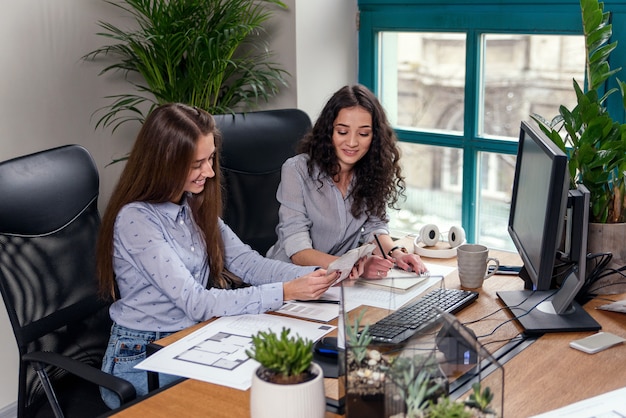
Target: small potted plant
[(366, 368), (420, 380), (287, 383)]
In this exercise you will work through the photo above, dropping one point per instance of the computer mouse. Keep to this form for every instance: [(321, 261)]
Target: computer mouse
[(327, 347)]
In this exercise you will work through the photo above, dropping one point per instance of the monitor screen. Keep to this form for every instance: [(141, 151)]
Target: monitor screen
[(538, 205)]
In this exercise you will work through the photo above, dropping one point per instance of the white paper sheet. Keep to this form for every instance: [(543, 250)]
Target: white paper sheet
[(345, 263), (608, 405), (397, 279), (317, 311), (216, 352), (382, 297)]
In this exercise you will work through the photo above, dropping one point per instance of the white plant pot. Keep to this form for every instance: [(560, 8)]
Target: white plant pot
[(302, 400)]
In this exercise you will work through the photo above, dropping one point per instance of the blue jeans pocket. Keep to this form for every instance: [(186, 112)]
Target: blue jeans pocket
[(122, 355), (125, 350)]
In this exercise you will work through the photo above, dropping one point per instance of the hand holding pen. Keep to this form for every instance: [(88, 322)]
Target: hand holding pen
[(377, 266), (407, 262)]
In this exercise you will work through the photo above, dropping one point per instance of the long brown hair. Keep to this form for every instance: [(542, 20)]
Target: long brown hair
[(156, 171), (379, 180)]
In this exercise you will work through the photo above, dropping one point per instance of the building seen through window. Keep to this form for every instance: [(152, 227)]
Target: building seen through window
[(451, 109)]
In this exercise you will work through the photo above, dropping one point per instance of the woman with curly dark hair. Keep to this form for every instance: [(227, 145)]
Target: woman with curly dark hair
[(334, 194)]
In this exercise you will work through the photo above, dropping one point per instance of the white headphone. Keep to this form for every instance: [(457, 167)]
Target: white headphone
[(429, 236)]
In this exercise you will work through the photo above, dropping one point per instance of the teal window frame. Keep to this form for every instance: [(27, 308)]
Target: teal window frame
[(475, 18)]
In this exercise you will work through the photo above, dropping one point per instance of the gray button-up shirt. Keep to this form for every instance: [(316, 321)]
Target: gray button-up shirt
[(314, 214), (161, 270)]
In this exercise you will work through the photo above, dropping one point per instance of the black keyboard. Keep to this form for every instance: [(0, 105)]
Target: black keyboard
[(420, 314)]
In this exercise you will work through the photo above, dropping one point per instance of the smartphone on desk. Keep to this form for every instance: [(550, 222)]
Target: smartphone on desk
[(596, 342), (509, 270)]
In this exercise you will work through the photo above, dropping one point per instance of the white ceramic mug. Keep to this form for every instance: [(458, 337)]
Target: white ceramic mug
[(473, 261)]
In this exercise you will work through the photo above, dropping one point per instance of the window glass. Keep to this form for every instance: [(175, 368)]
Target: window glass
[(527, 74), (433, 177), (495, 187), (423, 80), (421, 83)]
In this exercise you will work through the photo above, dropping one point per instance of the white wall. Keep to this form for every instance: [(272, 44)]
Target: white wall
[(48, 94)]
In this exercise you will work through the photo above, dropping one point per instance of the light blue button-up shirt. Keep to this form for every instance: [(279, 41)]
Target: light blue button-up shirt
[(314, 214), (161, 269)]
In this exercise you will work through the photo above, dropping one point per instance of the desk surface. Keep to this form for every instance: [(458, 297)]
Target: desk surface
[(546, 375)]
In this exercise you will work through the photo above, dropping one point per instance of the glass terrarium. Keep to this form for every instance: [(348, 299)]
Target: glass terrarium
[(437, 371)]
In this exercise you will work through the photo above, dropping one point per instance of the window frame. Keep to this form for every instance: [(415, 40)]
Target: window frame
[(475, 18)]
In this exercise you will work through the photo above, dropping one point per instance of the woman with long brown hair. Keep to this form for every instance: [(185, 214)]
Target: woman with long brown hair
[(166, 258)]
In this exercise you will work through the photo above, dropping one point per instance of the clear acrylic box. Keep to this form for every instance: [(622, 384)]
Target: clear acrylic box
[(404, 380)]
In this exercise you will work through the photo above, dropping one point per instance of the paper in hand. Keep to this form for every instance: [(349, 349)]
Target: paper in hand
[(345, 263)]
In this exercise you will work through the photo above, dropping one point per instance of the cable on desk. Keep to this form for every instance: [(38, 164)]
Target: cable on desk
[(484, 317), (517, 316), (517, 337), (599, 270)]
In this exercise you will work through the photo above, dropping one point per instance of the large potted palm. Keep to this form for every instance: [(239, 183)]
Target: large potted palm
[(595, 142), (206, 53)]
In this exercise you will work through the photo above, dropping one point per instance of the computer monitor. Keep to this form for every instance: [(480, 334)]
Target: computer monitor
[(542, 208), (538, 205)]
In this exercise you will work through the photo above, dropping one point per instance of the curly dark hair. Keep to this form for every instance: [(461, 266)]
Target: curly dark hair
[(379, 180)]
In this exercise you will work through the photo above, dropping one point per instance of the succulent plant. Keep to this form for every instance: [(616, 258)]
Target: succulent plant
[(480, 399), (284, 359), (447, 408), (358, 340)]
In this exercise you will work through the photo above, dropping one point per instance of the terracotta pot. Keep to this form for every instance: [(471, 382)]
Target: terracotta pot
[(303, 400), (608, 238)]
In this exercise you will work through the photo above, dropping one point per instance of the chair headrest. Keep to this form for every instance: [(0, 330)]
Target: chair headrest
[(259, 142), (42, 192)]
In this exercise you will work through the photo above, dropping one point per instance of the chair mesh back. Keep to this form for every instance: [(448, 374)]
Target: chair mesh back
[(255, 146), (47, 261)]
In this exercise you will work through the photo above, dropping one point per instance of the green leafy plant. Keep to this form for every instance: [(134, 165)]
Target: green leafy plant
[(418, 392), (284, 359), (594, 142), (358, 341), (480, 399), (446, 408), (418, 381), (206, 53)]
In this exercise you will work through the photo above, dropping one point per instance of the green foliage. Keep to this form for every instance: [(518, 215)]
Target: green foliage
[(285, 355), (416, 377), (205, 53), (445, 408), (594, 142), (418, 392), (480, 399), (358, 341)]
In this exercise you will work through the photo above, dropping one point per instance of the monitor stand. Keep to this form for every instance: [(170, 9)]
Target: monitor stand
[(536, 313)]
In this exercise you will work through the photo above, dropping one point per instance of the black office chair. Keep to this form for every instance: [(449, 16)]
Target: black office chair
[(255, 146), (48, 225)]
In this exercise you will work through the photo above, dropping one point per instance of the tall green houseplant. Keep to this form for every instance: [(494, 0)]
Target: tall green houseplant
[(205, 53), (593, 140)]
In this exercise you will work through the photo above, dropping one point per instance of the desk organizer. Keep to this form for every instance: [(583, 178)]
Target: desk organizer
[(437, 372)]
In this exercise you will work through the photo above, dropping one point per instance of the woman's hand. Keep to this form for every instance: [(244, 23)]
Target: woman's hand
[(310, 286), (411, 262), (376, 267)]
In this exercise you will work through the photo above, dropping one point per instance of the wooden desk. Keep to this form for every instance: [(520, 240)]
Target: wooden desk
[(544, 376), (549, 374)]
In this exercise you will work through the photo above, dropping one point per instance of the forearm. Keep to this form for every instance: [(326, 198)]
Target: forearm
[(311, 257), (388, 245)]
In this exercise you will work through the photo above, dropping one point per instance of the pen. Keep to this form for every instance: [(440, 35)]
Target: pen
[(336, 302), (380, 247)]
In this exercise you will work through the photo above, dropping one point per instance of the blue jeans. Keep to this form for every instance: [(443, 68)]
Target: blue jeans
[(126, 349)]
